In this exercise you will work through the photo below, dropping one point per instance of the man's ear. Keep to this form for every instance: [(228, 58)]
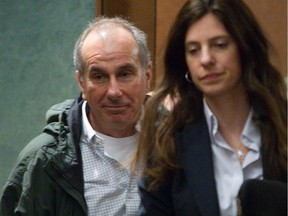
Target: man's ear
[(148, 77), (80, 82)]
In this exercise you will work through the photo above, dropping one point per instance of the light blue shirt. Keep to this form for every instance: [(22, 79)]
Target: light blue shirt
[(229, 172), (109, 187)]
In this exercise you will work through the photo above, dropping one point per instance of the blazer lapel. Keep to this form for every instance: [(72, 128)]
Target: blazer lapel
[(195, 154)]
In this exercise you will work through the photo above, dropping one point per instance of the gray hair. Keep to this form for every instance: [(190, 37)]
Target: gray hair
[(139, 36)]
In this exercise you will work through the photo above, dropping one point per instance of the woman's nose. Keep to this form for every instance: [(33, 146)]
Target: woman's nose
[(207, 57)]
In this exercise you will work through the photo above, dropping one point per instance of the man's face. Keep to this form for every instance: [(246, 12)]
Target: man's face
[(114, 83)]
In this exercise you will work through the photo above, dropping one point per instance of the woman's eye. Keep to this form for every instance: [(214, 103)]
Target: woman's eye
[(221, 44), (192, 50)]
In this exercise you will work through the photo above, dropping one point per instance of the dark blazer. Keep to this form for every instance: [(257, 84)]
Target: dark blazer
[(190, 191)]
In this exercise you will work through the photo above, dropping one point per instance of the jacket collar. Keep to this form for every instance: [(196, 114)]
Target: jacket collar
[(74, 120)]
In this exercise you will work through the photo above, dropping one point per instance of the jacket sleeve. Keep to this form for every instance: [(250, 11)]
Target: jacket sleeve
[(26, 191), (17, 195), (12, 201), (157, 202), (9, 198)]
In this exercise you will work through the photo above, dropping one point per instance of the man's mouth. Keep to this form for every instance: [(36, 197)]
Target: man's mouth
[(115, 108)]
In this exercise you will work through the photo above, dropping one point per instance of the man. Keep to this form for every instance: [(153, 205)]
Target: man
[(79, 165)]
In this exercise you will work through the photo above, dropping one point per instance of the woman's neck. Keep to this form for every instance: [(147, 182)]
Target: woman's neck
[(231, 111)]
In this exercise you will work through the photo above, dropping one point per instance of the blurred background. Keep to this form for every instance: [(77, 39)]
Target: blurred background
[(36, 68), (37, 40)]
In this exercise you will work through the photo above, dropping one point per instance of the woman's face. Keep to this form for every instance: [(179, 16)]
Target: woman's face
[(213, 58)]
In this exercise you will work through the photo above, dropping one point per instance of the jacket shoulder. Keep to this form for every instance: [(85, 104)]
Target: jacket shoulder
[(28, 157), (29, 154), (52, 115), (36, 145)]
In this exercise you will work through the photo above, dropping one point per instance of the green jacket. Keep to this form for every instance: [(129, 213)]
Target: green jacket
[(48, 179)]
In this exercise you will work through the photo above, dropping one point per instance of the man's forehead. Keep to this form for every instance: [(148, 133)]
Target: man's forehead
[(110, 41)]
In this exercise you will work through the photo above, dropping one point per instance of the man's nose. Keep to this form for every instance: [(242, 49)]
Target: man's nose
[(114, 90)]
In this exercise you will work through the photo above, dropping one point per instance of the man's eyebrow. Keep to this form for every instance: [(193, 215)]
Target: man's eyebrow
[(95, 68), (127, 66)]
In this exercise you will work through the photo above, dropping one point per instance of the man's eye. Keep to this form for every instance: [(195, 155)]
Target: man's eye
[(98, 77), (126, 75)]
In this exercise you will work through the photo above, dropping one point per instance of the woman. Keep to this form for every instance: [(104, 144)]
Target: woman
[(229, 121)]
